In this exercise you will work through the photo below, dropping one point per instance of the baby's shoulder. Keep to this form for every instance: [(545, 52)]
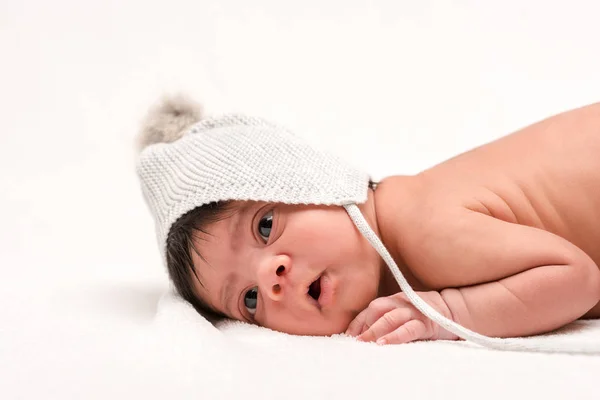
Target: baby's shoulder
[(410, 203), (419, 224), (408, 210)]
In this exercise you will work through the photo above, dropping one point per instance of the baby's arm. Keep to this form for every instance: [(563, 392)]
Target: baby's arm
[(522, 280)]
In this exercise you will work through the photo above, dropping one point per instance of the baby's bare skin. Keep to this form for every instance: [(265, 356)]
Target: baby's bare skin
[(509, 232)]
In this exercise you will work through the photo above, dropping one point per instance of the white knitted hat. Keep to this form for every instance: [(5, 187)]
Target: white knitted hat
[(233, 157), (187, 162)]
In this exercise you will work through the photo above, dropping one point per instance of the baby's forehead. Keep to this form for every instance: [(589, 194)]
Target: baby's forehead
[(214, 241), (218, 228)]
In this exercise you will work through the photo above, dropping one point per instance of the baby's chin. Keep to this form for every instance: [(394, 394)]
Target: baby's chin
[(329, 322), (323, 327), (328, 328)]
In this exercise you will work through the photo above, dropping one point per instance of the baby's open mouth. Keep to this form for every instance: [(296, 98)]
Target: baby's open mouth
[(314, 290)]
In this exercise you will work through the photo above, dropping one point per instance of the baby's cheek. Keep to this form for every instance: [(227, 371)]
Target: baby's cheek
[(320, 325)]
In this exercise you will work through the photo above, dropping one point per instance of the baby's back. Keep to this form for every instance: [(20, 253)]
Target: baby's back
[(546, 176)]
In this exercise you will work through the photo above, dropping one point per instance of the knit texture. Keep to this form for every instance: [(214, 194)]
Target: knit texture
[(236, 157)]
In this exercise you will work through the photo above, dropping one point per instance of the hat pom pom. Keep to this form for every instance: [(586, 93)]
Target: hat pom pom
[(168, 120)]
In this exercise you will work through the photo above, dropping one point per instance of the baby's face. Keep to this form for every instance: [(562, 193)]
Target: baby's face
[(293, 268)]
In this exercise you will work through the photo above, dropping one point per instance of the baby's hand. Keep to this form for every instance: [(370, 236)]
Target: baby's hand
[(394, 319)]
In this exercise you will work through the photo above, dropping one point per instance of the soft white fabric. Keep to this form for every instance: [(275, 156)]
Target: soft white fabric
[(236, 157), (274, 365)]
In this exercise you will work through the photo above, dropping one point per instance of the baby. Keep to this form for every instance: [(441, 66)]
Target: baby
[(253, 225)]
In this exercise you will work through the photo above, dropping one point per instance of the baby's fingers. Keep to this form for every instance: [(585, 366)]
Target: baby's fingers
[(414, 329), (369, 315), (388, 322), (357, 323)]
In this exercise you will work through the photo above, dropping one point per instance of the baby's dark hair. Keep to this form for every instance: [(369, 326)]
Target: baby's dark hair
[(180, 244)]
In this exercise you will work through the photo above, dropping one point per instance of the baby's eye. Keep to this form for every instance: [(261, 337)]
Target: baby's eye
[(250, 300), (264, 226)]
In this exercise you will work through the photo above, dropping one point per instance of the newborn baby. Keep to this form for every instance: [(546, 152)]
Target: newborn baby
[(501, 239)]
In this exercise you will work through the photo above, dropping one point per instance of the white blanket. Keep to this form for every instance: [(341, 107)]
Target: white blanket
[(247, 359)]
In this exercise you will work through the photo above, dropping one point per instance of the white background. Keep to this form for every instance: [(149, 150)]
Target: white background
[(393, 86)]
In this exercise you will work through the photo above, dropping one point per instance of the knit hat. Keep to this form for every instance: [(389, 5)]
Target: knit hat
[(187, 161), (233, 157)]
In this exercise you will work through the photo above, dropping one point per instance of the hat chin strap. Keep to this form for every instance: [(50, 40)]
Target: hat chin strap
[(449, 325)]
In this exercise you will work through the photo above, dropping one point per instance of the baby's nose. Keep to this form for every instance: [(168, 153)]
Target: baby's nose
[(275, 277), (277, 287)]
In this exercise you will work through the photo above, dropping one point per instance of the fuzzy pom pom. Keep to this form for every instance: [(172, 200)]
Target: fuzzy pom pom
[(168, 120)]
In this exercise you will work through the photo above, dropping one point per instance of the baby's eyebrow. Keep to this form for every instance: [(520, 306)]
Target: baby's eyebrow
[(226, 289), (235, 228)]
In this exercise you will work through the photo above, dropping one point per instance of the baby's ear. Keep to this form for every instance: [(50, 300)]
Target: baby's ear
[(167, 121)]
